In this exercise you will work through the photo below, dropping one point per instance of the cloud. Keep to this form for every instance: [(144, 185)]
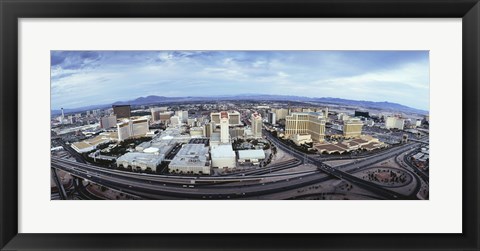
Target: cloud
[(96, 77)]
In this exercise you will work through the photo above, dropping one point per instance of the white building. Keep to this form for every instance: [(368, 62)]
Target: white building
[(300, 139), (224, 123), (182, 115), (252, 156), (223, 156), (175, 121), (132, 128), (192, 158), (140, 160), (196, 132), (394, 123)]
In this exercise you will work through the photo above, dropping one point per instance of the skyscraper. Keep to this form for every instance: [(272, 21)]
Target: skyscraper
[(257, 125), (352, 128), (122, 111), (224, 123), (272, 118), (306, 123), (108, 121)]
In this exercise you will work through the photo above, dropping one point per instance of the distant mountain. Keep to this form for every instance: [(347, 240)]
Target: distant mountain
[(149, 100)]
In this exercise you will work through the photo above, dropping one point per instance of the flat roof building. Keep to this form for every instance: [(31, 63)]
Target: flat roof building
[(394, 123), (223, 156), (140, 161), (252, 156), (191, 159), (92, 143)]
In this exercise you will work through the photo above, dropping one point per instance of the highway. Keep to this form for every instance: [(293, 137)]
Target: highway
[(203, 187), (340, 174)]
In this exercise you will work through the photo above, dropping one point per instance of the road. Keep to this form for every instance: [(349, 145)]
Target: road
[(180, 187)]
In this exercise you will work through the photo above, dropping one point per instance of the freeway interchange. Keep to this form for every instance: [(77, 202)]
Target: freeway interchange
[(236, 186)]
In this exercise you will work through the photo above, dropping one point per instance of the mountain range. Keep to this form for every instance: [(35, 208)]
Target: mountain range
[(150, 100)]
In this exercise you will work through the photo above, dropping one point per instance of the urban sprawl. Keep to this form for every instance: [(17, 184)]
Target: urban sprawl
[(239, 150)]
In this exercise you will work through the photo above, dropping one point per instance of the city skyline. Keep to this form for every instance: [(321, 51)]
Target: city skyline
[(83, 78)]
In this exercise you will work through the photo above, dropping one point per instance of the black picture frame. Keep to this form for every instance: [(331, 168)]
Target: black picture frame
[(11, 11)]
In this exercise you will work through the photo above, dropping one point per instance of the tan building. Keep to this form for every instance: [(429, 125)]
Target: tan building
[(281, 113), (257, 124), (233, 118), (155, 114), (306, 123), (352, 128), (209, 129), (215, 117), (165, 117)]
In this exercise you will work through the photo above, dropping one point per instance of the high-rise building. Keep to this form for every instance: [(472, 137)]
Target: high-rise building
[(108, 121), (132, 128), (165, 117), (352, 128), (175, 121), (215, 117), (306, 123), (139, 127), (394, 123), (362, 114), (63, 116), (237, 132), (155, 114), (224, 123), (257, 124), (272, 118), (281, 113), (209, 129), (182, 115), (192, 122), (233, 116), (122, 111), (325, 114)]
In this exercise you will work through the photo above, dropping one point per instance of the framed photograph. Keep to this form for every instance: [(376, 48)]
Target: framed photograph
[(320, 125)]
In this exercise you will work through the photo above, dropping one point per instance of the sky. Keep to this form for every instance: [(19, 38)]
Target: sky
[(84, 78)]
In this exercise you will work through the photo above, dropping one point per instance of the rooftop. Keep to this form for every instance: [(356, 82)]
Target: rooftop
[(222, 151), (251, 154)]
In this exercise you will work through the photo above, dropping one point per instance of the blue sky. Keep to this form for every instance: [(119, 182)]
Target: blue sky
[(83, 78)]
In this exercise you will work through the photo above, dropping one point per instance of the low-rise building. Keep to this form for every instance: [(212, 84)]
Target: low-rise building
[(92, 143), (250, 156), (301, 138), (192, 158), (140, 161), (196, 132), (223, 156)]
